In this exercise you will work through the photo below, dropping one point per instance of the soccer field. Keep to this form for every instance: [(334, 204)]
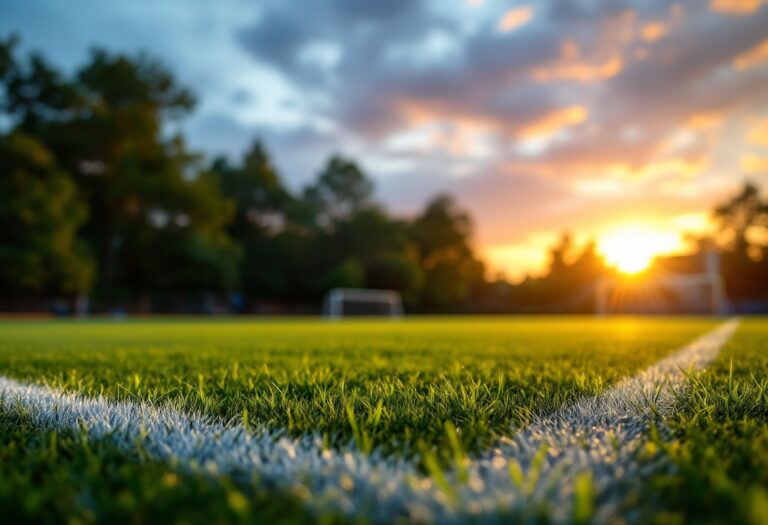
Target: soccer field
[(480, 420)]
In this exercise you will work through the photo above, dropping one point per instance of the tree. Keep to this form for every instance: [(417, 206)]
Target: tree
[(741, 214), (558, 255), (260, 199), (7, 58), (96, 184), (341, 189), (260, 226), (191, 251), (349, 273), (744, 265), (131, 174), (381, 245), (146, 193), (40, 213), (395, 271), (34, 92), (441, 235)]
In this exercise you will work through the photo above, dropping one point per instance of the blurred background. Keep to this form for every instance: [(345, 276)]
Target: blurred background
[(592, 156)]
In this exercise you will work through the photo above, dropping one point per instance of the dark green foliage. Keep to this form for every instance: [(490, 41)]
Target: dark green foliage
[(101, 141), (340, 190), (395, 271), (335, 235), (441, 235), (40, 213)]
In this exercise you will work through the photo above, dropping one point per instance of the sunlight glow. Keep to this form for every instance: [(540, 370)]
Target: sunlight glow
[(631, 249)]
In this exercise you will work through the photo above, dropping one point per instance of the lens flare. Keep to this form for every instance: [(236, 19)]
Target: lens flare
[(631, 249)]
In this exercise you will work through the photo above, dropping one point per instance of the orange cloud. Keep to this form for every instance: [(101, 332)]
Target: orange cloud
[(736, 7), (515, 18), (418, 114), (415, 114), (759, 134), (654, 31), (678, 167), (703, 121), (754, 57), (577, 71), (677, 11), (554, 121), (462, 141), (429, 127), (752, 164), (569, 49)]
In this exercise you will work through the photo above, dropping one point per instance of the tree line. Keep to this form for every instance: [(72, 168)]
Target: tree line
[(99, 195)]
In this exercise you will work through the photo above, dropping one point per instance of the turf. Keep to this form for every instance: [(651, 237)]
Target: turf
[(53, 477), (392, 386), (715, 451), (387, 385)]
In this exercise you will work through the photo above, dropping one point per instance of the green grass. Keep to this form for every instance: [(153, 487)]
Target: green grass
[(50, 477), (716, 448), (387, 385)]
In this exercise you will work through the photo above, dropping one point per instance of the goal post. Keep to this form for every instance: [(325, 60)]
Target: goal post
[(345, 302)]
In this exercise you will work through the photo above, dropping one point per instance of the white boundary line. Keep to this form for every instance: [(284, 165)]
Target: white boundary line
[(598, 436)]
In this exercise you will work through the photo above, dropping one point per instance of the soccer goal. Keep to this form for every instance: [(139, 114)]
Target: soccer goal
[(345, 302)]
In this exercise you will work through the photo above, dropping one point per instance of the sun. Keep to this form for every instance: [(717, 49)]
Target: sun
[(631, 249)]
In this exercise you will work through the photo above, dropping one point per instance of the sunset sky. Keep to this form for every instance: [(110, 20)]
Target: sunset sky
[(593, 116)]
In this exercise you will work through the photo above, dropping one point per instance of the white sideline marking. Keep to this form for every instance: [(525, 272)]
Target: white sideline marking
[(598, 435)]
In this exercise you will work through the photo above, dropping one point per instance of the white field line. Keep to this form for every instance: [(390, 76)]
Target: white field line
[(598, 436)]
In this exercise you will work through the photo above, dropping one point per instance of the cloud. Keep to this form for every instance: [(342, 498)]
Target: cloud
[(515, 19), (594, 98), (654, 31), (752, 164), (554, 121), (754, 57), (577, 71), (758, 134), (578, 114), (534, 116), (736, 7), (676, 167)]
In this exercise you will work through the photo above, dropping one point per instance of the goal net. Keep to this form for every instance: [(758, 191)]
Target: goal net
[(345, 302)]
